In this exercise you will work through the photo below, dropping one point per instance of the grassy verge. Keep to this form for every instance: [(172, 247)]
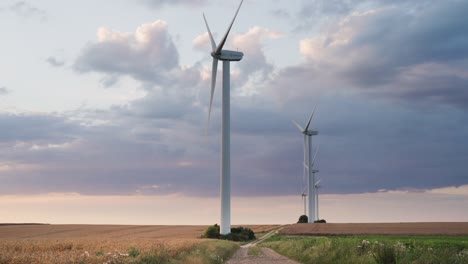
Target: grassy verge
[(209, 252), (372, 249)]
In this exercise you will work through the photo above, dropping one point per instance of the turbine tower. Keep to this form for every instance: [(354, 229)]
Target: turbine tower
[(308, 164), (226, 56), (304, 200), (317, 187)]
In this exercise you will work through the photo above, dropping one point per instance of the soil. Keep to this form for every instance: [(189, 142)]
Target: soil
[(330, 229)]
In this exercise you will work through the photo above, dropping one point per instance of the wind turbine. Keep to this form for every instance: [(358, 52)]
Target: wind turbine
[(308, 163), (304, 195), (317, 187), (316, 184), (226, 56)]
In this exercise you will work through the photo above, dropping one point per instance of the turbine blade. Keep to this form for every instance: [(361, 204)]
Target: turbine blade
[(298, 126), (213, 85), (213, 43), (305, 165), (310, 119), (317, 183), (315, 156), (223, 40)]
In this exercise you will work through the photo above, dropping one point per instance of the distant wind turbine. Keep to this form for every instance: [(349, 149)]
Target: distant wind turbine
[(317, 187), (226, 56), (308, 164), (304, 200)]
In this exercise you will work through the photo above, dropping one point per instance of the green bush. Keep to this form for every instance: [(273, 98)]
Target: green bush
[(237, 233), (212, 232), (320, 221), (303, 219)]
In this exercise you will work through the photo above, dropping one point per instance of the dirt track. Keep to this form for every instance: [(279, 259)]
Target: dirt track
[(449, 229), (266, 256)]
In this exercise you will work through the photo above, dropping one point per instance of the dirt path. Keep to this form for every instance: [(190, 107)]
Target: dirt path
[(266, 256), (263, 256)]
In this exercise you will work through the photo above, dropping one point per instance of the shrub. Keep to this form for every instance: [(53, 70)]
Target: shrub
[(303, 219), (320, 221), (237, 233), (212, 232)]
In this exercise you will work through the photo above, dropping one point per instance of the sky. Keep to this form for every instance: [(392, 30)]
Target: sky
[(104, 105)]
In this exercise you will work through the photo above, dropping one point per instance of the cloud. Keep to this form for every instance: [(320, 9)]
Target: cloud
[(54, 62), (35, 128), (159, 140), (148, 54), (250, 43), (4, 90), (25, 9), (162, 3), (417, 55), (281, 13), (254, 67)]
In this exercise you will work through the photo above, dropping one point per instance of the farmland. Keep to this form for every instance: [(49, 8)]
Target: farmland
[(317, 243), (373, 243), (422, 229), (372, 249), (112, 244)]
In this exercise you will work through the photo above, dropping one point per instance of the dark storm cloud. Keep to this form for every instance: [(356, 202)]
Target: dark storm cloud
[(364, 147), (419, 54)]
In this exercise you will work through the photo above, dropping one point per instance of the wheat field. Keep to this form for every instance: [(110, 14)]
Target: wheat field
[(21, 244)]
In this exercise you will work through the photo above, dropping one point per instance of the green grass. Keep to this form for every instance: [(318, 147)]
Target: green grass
[(212, 252), (372, 249), (254, 251)]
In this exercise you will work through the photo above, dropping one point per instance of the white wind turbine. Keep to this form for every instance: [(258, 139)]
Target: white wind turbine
[(304, 200), (226, 56), (317, 187), (308, 163), (315, 184)]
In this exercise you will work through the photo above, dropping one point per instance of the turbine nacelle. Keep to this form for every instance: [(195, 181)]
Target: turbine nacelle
[(310, 132), (228, 55), (306, 130), (219, 54)]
